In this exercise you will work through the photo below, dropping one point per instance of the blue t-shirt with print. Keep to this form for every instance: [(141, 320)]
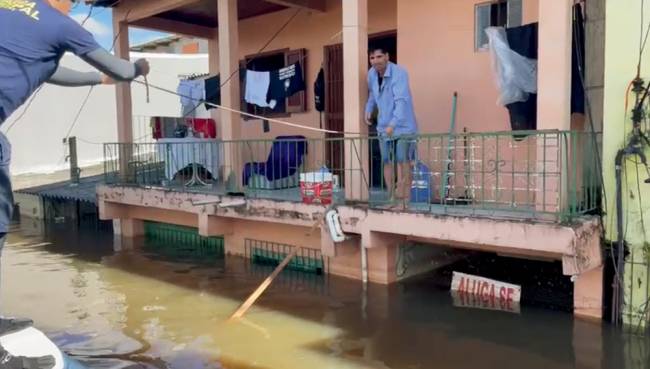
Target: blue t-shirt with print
[(33, 38)]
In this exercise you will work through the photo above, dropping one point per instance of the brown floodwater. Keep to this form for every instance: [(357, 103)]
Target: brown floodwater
[(159, 306)]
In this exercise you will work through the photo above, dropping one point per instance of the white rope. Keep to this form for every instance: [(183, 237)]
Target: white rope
[(254, 116)]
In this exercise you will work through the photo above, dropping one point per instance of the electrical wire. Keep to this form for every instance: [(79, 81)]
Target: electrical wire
[(90, 14), (29, 103), (85, 101)]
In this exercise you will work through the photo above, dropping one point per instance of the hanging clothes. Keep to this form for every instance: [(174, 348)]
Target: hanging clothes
[(257, 87), (578, 61), (213, 91), (285, 82), (516, 75), (524, 41), (319, 91), (164, 127), (192, 92)]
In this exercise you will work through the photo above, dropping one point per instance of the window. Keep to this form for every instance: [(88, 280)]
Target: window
[(273, 61), (503, 13)]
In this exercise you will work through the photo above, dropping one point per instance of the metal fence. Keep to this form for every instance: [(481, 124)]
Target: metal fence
[(551, 175)]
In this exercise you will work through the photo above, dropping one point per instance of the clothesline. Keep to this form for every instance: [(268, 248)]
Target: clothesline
[(254, 116)]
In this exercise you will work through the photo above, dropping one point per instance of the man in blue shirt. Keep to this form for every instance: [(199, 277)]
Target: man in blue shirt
[(390, 94), (34, 35)]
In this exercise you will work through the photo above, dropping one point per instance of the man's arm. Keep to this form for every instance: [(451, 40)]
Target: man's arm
[(72, 78), (114, 67), (401, 96), (76, 39), (371, 104)]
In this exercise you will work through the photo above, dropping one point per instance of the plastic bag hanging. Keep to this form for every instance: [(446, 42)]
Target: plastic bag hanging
[(515, 75)]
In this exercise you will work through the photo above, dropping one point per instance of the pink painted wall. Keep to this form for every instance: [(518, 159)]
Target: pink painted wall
[(436, 45), (312, 31), (270, 232), (431, 34)]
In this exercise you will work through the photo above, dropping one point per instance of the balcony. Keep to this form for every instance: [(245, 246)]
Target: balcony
[(533, 175)]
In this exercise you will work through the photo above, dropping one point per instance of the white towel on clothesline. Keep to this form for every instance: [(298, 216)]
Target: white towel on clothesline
[(257, 87)]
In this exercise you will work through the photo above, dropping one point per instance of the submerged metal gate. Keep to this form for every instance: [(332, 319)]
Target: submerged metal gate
[(269, 253)]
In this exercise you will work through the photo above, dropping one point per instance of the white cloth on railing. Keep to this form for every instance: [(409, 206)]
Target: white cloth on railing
[(179, 153)]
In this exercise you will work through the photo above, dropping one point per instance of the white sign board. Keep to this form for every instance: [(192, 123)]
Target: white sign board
[(483, 293)]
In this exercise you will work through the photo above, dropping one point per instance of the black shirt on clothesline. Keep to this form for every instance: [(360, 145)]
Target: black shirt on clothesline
[(285, 82)]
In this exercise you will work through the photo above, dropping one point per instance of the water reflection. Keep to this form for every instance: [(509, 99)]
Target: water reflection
[(152, 306)]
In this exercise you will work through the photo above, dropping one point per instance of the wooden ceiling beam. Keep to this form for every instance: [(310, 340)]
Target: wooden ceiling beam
[(317, 5), (134, 10), (176, 27)]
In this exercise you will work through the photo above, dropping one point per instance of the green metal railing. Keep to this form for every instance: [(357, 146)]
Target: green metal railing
[(270, 253), (182, 242), (551, 175)]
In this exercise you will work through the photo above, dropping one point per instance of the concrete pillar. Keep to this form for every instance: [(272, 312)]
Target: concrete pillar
[(554, 103), (127, 234), (123, 94), (588, 294), (129, 228), (355, 92), (230, 123), (213, 69), (588, 345), (554, 73)]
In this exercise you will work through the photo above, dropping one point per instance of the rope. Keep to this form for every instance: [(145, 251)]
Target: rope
[(254, 116), (146, 85)]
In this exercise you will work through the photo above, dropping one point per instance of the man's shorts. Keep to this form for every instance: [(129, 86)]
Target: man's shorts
[(397, 149)]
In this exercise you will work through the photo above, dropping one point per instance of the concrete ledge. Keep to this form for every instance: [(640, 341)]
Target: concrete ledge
[(576, 245)]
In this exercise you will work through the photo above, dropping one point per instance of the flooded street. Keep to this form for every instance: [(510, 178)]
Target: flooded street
[(159, 307)]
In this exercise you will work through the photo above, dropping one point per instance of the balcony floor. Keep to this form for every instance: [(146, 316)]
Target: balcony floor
[(379, 199)]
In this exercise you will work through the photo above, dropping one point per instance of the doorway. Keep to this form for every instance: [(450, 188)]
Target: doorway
[(334, 104)]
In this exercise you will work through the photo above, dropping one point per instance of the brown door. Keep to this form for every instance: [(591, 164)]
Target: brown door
[(333, 66)]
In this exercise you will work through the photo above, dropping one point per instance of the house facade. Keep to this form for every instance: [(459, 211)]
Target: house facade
[(530, 194)]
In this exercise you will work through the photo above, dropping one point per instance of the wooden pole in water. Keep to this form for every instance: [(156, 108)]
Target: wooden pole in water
[(260, 290)]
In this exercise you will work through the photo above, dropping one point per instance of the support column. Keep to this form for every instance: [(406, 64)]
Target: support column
[(588, 294), (129, 228), (554, 66), (554, 104), (126, 233), (355, 92), (123, 95), (588, 345), (228, 56), (213, 69)]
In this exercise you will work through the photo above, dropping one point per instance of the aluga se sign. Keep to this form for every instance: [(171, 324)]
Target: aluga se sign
[(484, 293)]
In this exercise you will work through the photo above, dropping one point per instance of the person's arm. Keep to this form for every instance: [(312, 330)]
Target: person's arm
[(75, 39), (114, 67), (71, 78), (401, 97), (371, 104)]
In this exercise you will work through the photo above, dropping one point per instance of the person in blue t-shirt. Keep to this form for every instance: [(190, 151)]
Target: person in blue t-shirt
[(34, 35), (390, 94)]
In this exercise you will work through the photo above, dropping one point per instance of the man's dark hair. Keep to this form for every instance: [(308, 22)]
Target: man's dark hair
[(373, 49)]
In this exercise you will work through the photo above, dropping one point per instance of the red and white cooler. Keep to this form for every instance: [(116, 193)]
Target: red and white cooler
[(316, 187)]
